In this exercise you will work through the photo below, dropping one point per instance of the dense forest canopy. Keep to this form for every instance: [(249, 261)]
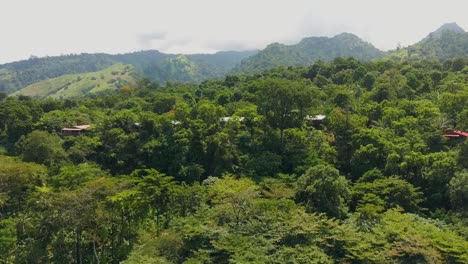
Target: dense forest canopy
[(336, 162)]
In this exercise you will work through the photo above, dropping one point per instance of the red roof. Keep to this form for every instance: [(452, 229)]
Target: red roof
[(456, 133)]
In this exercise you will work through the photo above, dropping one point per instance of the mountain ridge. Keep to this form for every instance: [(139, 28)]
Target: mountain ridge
[(152, 64), (448, 41), (309, 50)]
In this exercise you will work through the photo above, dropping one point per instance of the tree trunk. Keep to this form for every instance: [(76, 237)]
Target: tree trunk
[(94, 250), (78, 247)]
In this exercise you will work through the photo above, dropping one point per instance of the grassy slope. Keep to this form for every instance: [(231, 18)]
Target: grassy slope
[(75, 85)]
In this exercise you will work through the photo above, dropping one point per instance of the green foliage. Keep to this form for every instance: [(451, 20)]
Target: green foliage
[(41, 147), (392, 191), (7, 239), (17, 180), (241, 171), (458, 190), (322, 189), (72, 177)]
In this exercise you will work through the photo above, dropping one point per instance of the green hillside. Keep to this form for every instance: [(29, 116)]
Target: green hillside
[(17, 75), (157, 66), (75, 85), (449, 41), (308, 51)]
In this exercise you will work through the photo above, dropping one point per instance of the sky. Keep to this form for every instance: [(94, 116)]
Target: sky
[(54, 27)]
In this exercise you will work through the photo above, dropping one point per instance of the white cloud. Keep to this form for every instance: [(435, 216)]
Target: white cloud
[(53, 27)]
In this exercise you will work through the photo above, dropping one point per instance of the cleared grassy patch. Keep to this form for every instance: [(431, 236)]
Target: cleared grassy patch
[(76, 85)]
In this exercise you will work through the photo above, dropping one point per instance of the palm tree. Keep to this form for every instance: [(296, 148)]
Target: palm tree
[(378, 124), (443, 123)]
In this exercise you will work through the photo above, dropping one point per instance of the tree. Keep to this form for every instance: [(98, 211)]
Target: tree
[(3, 95), (15, 119), (459, 190), (54, 121), (234, 197), (392, 191), (71, 177), (323, 189), (7, 240), (42, 147), (283, 97), (17, 181), (368, 81), (156, 191)]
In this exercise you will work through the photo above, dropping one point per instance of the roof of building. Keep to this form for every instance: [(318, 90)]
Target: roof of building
[(72, 129), (229, 118), (456, 133), (315, 117), (76, 128), (82, 126)]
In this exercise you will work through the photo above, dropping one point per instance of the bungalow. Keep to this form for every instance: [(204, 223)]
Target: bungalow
[(75, 130)]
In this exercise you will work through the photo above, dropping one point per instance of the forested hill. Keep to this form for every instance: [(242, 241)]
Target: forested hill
[(449, 41), (157, 66), (308, 51)]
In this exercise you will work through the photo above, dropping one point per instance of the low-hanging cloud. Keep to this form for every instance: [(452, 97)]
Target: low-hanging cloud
[(146, 39), (163, 41), (205, 26), (230, 45)]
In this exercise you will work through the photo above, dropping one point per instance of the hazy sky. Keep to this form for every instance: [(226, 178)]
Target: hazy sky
[(54, 27)]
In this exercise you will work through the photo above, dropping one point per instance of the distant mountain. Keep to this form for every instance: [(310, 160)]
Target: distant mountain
[(16, 75), (309, 50), (448, 41), (153, 64), (193, 68), (80, 84), (452, 27)]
